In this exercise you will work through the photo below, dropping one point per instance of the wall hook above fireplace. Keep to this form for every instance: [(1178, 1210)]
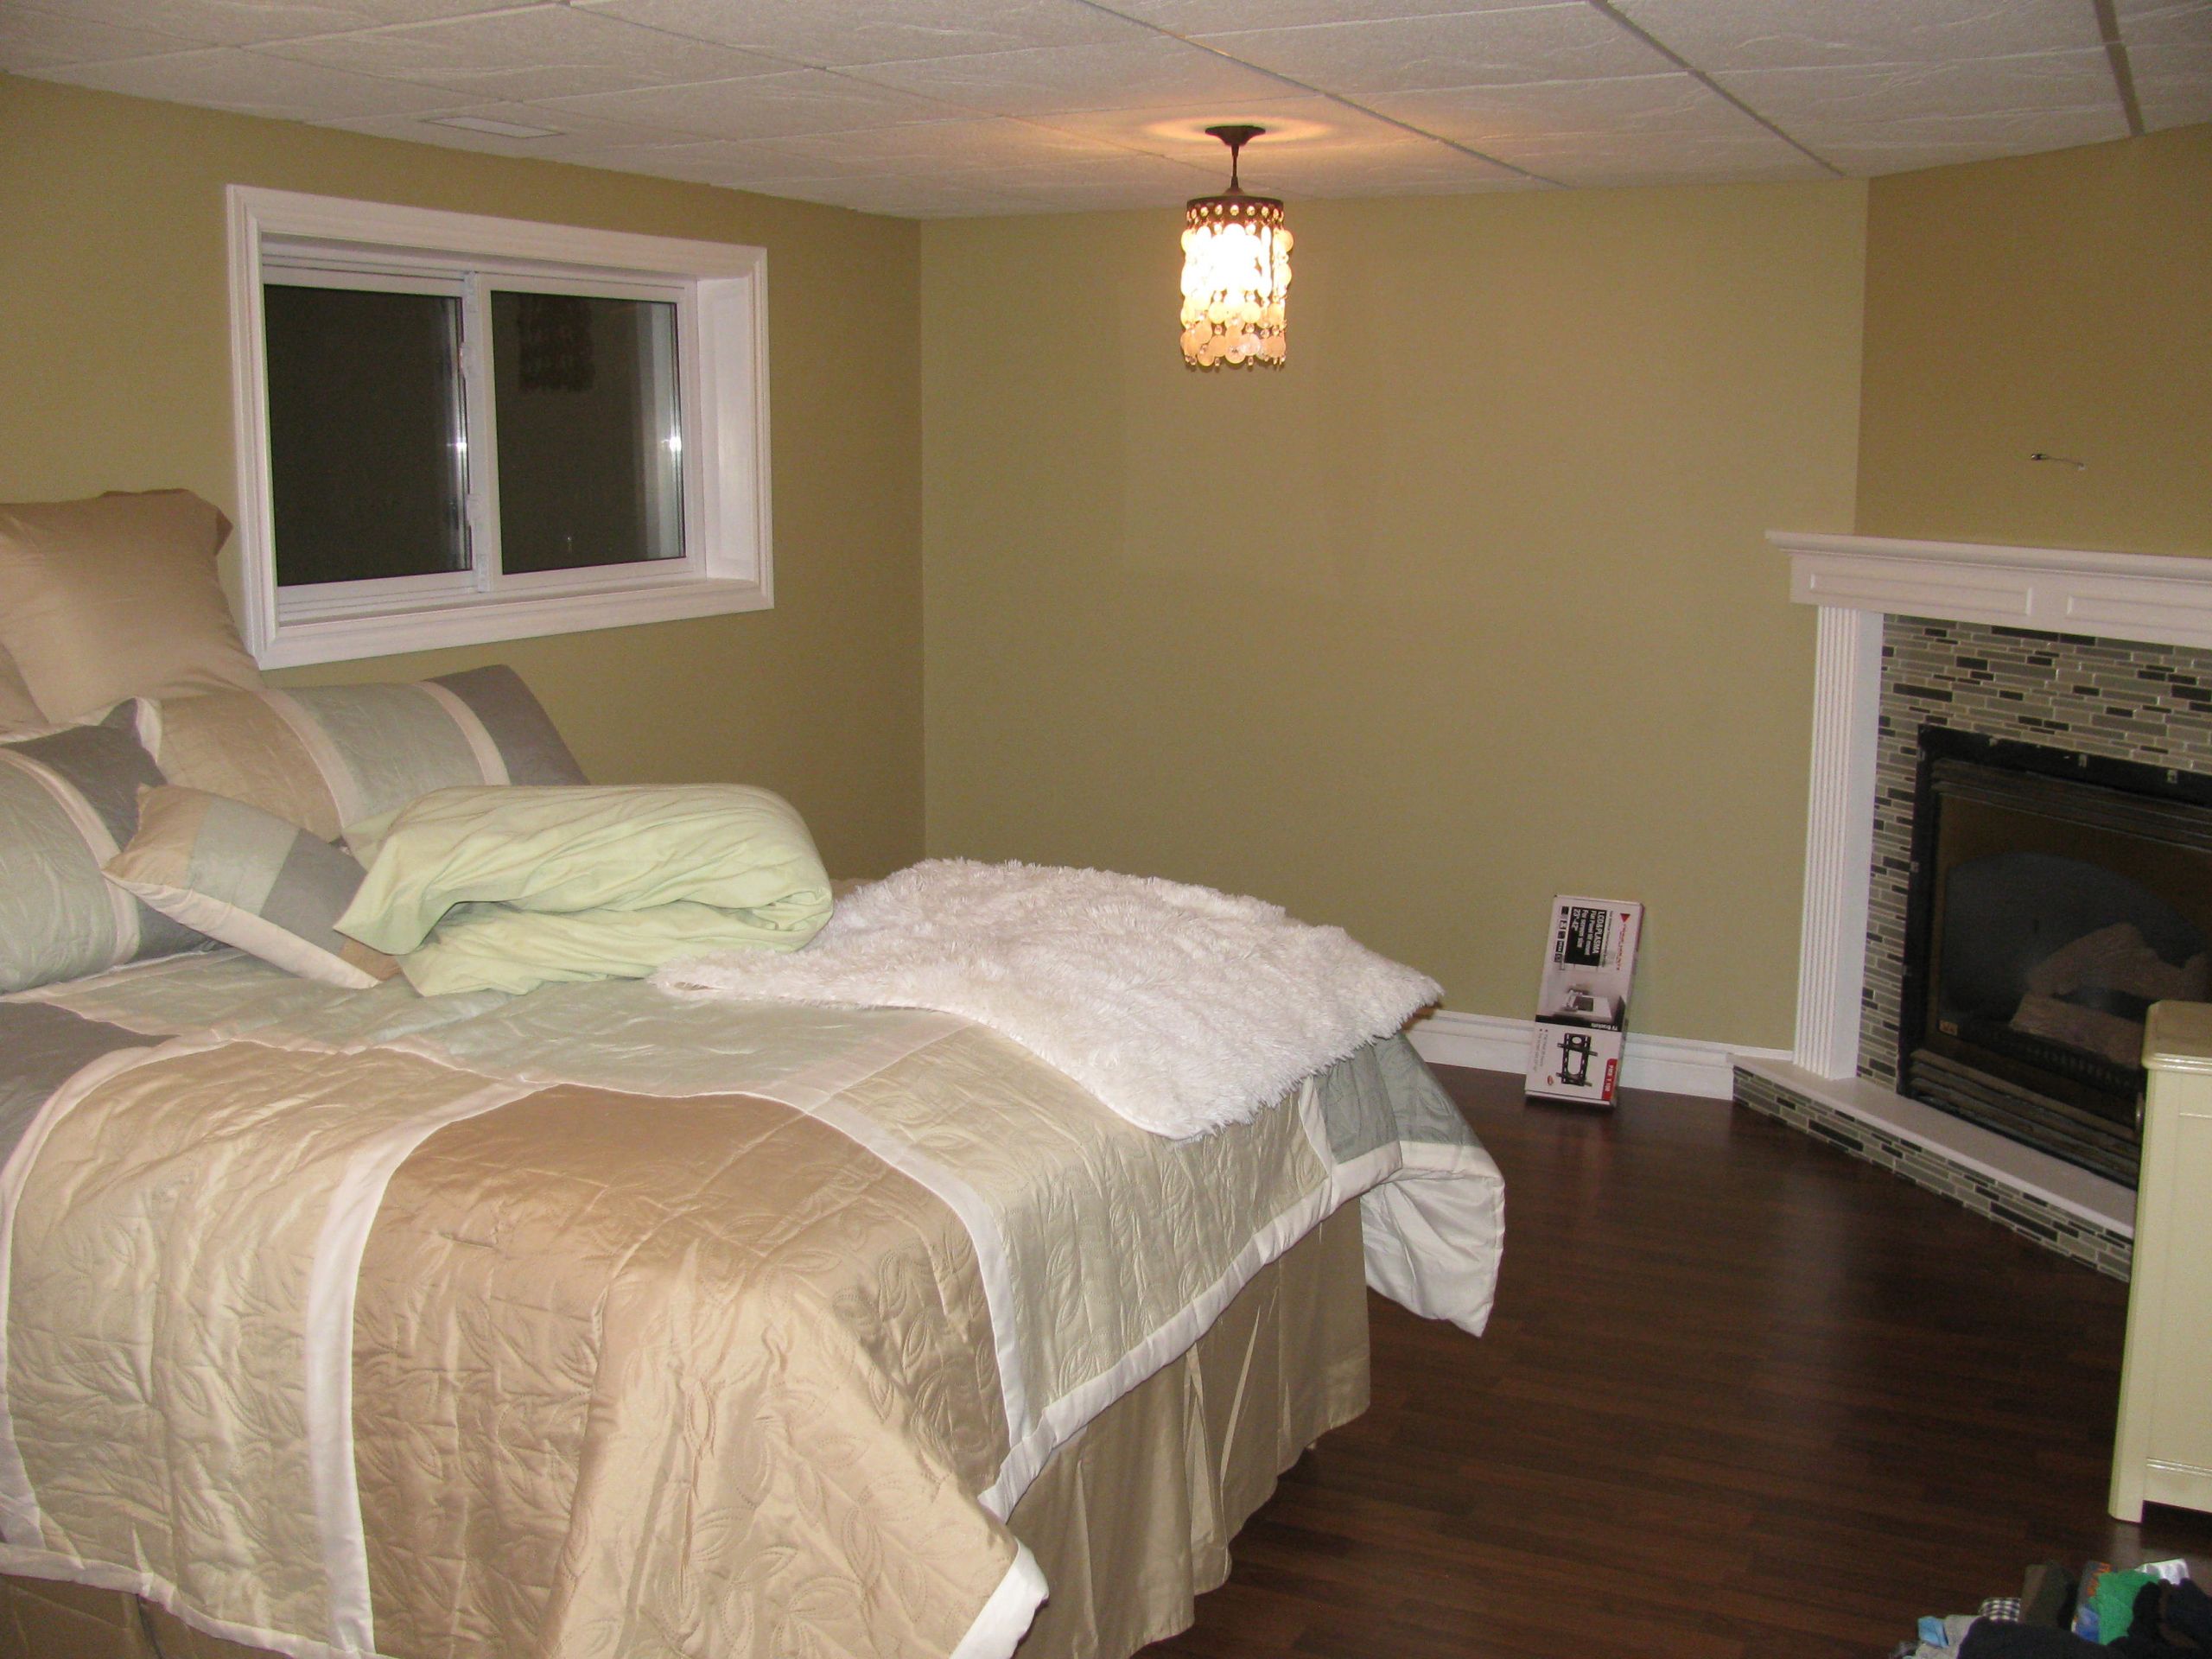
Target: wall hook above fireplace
[(2064, 461)]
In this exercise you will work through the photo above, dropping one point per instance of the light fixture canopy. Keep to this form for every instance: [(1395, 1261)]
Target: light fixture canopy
[(1235, 272)]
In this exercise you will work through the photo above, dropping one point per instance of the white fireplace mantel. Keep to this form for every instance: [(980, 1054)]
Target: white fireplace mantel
[(1856, 580), (2148, 596)]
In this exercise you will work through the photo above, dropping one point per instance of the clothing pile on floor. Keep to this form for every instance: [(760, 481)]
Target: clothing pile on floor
[(2152, 1611)]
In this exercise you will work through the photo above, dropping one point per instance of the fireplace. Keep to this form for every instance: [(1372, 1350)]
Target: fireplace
[(2102, 654), (2053, 897)]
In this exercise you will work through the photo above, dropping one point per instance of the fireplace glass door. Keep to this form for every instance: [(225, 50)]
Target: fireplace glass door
[(2054, 900)]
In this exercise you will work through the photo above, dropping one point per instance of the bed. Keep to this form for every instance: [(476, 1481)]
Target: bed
[(342, 1319)]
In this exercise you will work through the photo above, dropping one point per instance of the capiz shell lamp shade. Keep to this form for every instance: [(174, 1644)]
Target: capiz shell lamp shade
[(1235, 273)]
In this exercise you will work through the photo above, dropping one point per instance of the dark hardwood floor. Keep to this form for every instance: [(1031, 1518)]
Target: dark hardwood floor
[(1742, 1395)]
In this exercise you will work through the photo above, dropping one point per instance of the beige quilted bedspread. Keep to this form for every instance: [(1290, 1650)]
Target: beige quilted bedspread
[(509, 1334)]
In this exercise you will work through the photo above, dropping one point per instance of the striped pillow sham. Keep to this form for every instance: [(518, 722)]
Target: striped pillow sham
[(68, 801), (326, 756), (248, 877)]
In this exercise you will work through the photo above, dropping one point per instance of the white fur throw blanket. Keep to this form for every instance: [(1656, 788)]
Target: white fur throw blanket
[(1183, 1009)]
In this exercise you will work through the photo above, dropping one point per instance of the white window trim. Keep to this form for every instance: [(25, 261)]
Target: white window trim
[(730, 569)]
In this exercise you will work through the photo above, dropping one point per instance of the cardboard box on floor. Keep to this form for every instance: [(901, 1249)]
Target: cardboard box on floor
[(1574, 1052)]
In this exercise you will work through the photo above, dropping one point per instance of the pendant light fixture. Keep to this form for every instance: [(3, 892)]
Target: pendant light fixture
[(1235, 272)]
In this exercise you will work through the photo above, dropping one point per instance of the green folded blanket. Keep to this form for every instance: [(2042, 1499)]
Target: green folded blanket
[(504, 888)]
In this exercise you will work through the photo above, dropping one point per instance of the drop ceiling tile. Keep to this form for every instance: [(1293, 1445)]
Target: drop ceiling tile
[(874, 31), (957, 200), (923, 146), (2173, 84), (1312, 146), (572, 137), (415, 130), (1025, 105), (1609, 160), (772, 165), (1817, 105), (1362, 189), (1938, 141), (1809, 34), (1483, 49), (704, 160), (1869, 158), (1878, 151), (1146, 72), (794, 103), (1628, 106), (1108, 196), (2176, 22), (249, 83), (1296, 123), (910, 198), (33, 40), (544, 52), (246, 22), (1216, 17), (1148, 177), (1417, 165), (1644, 170), (2170, 51)]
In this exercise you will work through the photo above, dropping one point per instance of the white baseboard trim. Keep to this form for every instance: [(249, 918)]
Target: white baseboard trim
[(1674, 1065)]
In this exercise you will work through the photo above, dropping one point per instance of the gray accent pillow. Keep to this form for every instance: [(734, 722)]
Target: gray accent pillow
[(240, 875), (68, 802)]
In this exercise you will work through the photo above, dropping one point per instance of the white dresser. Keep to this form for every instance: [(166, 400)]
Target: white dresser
[(2162, 1453)]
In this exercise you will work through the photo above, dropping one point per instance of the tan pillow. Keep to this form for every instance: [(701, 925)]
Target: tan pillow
[(18, 711), (326, 756), (116, 597)]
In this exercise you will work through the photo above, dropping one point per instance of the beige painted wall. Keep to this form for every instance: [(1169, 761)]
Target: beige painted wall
[(114, 359), (2060, 302), (1469, 605)]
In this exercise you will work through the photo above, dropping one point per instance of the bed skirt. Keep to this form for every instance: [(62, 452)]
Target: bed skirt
[(1130, 1521)]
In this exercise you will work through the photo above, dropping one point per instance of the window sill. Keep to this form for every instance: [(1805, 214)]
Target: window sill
[(300, 643)]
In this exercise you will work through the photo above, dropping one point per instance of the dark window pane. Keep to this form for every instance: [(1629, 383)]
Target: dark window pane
[(585, 398), (365, 434)]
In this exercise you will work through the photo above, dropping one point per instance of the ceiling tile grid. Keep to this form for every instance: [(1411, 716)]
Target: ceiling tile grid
[(791, 102), (536, 52), (248, 22), (32, 42), (857, 32), (1475, 49), (1669, 127), (916, 108), (1142, 70), (1823, 33), (2170, 46), (249, 83)]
